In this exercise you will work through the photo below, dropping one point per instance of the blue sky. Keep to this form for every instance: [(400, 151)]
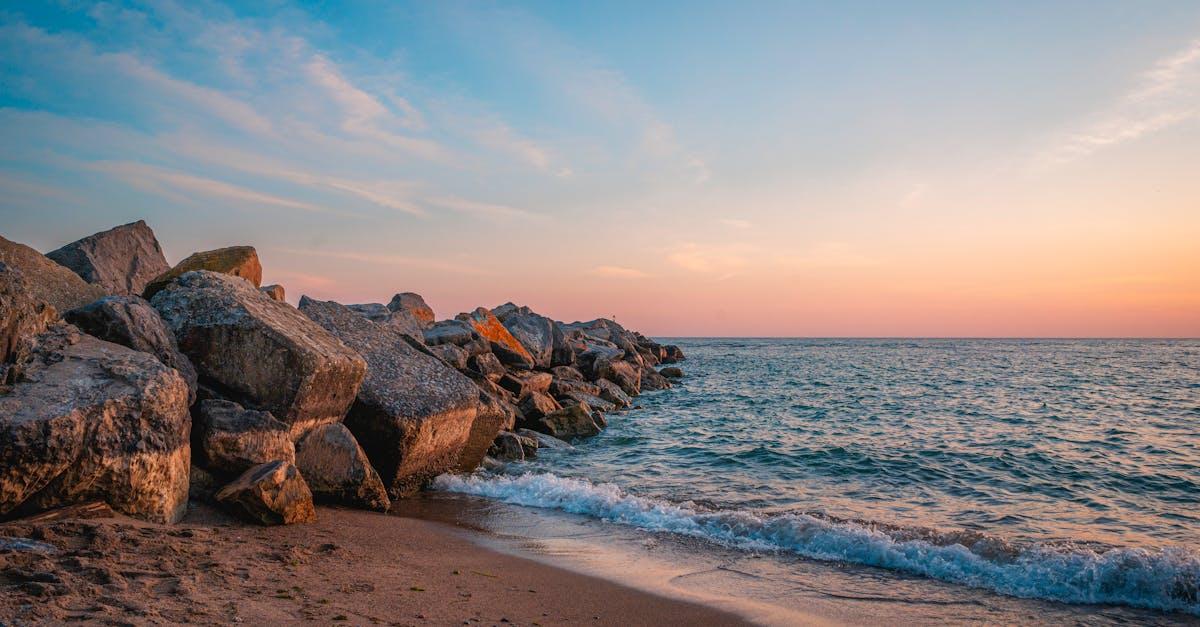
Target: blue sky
[(873, 168)]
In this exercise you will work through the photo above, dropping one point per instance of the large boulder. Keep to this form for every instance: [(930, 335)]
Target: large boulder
[(541, 336), (413, 413), (575, 421), (47, 281), (522, 382), (273, 493), (486, 365), (492, 415), (337, 469), (260, 352), (239, 261), (537, 405), (502, 343), (414, 306), (275, 291), (131, 321), (22, 319), (121, 260), (651, 380), (231, 439), (454, 356), (613, 393), (456, 332), (624, 374), (402, 320), (91, 420)]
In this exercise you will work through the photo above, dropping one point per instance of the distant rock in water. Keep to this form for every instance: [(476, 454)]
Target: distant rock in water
[(271, 494), (239, 261), (130, 321), (260, 352), (413, 414), (671, 372), (92, 420), (122, 260), (48, 281)]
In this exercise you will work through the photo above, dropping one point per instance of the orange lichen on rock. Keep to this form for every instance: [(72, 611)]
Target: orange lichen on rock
[(506, 347)]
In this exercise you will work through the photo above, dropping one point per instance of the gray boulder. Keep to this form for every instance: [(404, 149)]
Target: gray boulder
[(493, 414), (413, 414), (231, 439), (121, 260), (672, 372), (454, 356), (523, 382), (414, 306), (131, 321), (91, 420), (337, 469), (22, 319), (486, 365), (613, 393), (545, 442), (275, 291), (260, 352), (402, 321), (511, 446), (270, 494), (536, 405), (502, 343), (622, 373), (541, 336), (238, 261), (47, 281), (651, 380), (575, 421), (458, 333)]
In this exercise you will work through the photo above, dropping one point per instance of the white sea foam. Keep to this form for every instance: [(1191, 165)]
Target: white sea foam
[(1167, 579)]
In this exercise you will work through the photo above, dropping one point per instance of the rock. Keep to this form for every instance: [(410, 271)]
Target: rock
[(413, 414), (492, 415), (130, 321), (275, 292), (595, 355), (273, 493), (458, 333), (260, 352), (623, 374), (541, 336), (90, 420), (121, 260), (536, 405), (454, 356), (337, 469), (566, 373), (544, 441), (201, 484), (22, 319), (576, 421), (414, 306), (375, 312), (562, 387), (608, 331), (503, 344), (591, 400), (612, 393), (672, 354), (520, 383), (671, 372), (231, 439), (486, 365), (402, 321), (47, 281), (508, 447), (239, 261), (651, 380)]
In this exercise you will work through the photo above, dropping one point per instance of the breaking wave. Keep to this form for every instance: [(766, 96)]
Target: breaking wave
[(1164, 579)]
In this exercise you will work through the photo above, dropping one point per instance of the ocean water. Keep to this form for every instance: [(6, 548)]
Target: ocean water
[(1066, 470)]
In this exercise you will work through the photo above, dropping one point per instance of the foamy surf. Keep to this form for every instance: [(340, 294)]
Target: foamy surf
[(1166, 579)]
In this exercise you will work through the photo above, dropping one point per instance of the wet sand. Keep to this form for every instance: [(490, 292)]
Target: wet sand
[(350, 567)]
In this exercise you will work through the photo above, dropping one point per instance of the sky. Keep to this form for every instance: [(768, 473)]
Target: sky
[(694, 168)]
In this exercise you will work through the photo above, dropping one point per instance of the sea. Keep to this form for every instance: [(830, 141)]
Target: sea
[(1066, 471)]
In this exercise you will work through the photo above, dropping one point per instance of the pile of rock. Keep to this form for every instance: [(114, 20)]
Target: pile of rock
[(127, 380)]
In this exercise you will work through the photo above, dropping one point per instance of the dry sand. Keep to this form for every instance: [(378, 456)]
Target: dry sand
[(348, 568)]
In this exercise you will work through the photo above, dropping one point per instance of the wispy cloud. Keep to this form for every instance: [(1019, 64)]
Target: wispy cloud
[(1167, 94), (426, 263), (724, 260), (152, 178), (618, 272), (482, 209)]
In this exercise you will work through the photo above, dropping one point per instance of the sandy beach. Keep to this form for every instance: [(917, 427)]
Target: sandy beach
[(350, 567)]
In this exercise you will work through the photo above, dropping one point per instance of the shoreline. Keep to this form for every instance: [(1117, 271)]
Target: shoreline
[(349, 567)]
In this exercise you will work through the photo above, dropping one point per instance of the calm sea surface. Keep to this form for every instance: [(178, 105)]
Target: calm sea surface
[(1058, 469)]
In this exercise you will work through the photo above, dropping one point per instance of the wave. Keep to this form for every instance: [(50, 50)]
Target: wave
[(1164, 579)]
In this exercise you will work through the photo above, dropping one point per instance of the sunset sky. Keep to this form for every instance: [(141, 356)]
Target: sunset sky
[(691, 168)]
